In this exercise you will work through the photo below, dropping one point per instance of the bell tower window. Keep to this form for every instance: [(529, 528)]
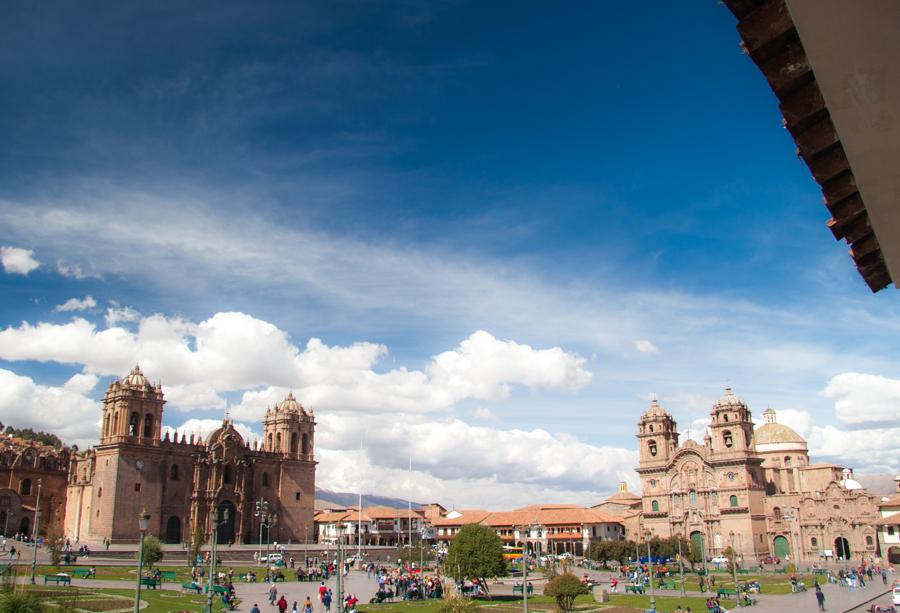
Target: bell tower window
[(728, 440), (652, 447)]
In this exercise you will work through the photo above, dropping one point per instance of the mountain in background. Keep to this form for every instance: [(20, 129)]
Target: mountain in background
[(877, 485), (326, 499)]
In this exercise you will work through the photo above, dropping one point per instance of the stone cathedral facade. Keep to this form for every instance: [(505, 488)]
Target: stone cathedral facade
[(180, 480)]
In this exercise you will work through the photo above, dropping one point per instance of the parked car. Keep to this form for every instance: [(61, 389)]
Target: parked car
[(272, 558), (718, 560), (770, 560), (882, 608)]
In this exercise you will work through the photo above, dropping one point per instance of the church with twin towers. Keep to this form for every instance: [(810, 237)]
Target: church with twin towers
[(180, 479)]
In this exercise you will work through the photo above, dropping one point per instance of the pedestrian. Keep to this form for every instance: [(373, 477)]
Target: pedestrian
[(282, 604), (273, 594), (294, 608), (326, 601), (254, 608), (820, 597), (307, 605)]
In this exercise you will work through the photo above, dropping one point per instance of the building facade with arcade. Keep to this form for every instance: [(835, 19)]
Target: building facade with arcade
[(179, 480)]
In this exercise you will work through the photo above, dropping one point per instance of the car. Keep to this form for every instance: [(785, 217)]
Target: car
[(271, 558), (719, 560), (770, 560), (881, 608)]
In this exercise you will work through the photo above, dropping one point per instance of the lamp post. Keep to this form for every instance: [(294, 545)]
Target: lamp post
[(214, 527), (34, 539), (737, 592), (650, 572), (680, 565), (524, 533), (261, 509), (143, 526)]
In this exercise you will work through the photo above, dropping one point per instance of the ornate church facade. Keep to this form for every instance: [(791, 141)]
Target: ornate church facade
[(749, 488), (180, 480)]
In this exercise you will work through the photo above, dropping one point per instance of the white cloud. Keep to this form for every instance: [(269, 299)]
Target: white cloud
[(64, 411), (234, 351), (645, 346), (116, 315), (484, 414), (80, 383), (863, 398), (18, 261), (194, 396), (77, 304), (74, 271)]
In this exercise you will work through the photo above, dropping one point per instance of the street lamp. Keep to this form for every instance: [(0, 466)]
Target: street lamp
[(525, 532), (214, 527), (34, 540), (737, 591), (647, 535), (143, 526), (261, 509)]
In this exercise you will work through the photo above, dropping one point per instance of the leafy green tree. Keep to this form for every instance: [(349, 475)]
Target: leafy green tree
[(565, 588), (728, 552), (475, 552), (53, 541), (153, 551), (195, 545), (694, 553)]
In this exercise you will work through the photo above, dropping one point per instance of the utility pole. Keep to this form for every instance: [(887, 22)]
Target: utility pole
[(34, 540), (737, 590), (650, 572), (339, 567)]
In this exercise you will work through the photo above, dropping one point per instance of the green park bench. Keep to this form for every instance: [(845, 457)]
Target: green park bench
[(756, 569), (780, 571), (517, 589), (744, 571), (724, 591), (168, 575), (149, 582), (57, 579), (820, 571), (635, 589), (189, 586), (217, 589), (668, 585), (81, 573)]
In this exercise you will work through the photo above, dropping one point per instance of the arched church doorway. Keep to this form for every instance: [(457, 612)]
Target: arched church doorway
[(226, 527), (782, 547), (173, 530), (697, 540), (25, 526), (841, 548), (894, 555)]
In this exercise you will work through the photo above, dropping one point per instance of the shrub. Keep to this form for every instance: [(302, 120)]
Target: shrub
[(565, 588)]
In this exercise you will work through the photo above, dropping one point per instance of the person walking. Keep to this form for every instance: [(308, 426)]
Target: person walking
[(820, 598), (282, 604), (307, 605), (326, 601), (294, 608), (254, 608), (273, 594)]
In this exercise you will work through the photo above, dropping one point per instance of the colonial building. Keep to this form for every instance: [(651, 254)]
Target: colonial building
[(25, 467), (372, 526), (179, 481), (542, 528), (752, 489), (888, 526)]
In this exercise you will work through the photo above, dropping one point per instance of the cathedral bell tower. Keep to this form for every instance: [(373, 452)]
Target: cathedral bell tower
[(288, 429), (132, 410), (657, 436), (731, 430)]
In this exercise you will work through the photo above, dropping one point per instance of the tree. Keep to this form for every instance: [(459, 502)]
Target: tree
[(19, 601), (694, 552), (153, 551), (565, 588), (195, 545), (53, 541), (728, 552), (475, 552)]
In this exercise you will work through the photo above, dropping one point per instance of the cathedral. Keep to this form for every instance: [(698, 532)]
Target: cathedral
[(180, 480), (749, 487)]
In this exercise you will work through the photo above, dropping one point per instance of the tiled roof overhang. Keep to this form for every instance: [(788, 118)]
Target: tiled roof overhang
[(770, 39)]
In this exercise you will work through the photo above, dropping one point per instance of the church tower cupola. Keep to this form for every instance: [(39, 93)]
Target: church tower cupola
[(288, 429), (132, 410), (657, 435), (731, 428)]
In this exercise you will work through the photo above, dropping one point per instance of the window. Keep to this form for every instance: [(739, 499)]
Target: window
[(890, 531), (25, 487), (265, 479), (148, 425), (100, 492), (173, 472), (869, 541), (137, 487), (297, 496), (655, 506), (787, 461), (814, 542), (725, 416), (652, 446), (293, 442), (652, 482), (726, 436), (693, 496), (733, 500), (133, 424), (227, 475), (777, 511), (651, 427), (305, 445)]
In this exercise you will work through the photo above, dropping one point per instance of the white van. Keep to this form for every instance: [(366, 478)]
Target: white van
[(271, 558), (897, 594)]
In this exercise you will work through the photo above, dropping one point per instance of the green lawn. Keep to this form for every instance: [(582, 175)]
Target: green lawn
[(128, 573), (664, 603), (101, 599)]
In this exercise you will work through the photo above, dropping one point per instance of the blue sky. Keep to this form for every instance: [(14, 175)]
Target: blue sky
[(393, 178)]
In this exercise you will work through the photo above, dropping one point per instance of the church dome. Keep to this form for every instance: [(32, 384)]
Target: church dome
[(773, 433), (729, 401), (655, 410), (848, 482), (290, 405), (224, 433), (136, 380)]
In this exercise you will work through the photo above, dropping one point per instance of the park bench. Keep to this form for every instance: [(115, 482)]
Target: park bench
[(724, 591), (220, 589), (517, 589), (780, 571), (744, 571), (150, 582), (82, 573), (636, 589), (820, 571), (188, 585), (168, 575), (668, 585), (57, 579)]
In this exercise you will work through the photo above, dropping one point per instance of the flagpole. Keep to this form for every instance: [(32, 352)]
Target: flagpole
[(359, 515), (409, 500)]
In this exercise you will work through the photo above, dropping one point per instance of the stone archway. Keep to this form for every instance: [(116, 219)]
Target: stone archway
[(841, 548), (173, 530)]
